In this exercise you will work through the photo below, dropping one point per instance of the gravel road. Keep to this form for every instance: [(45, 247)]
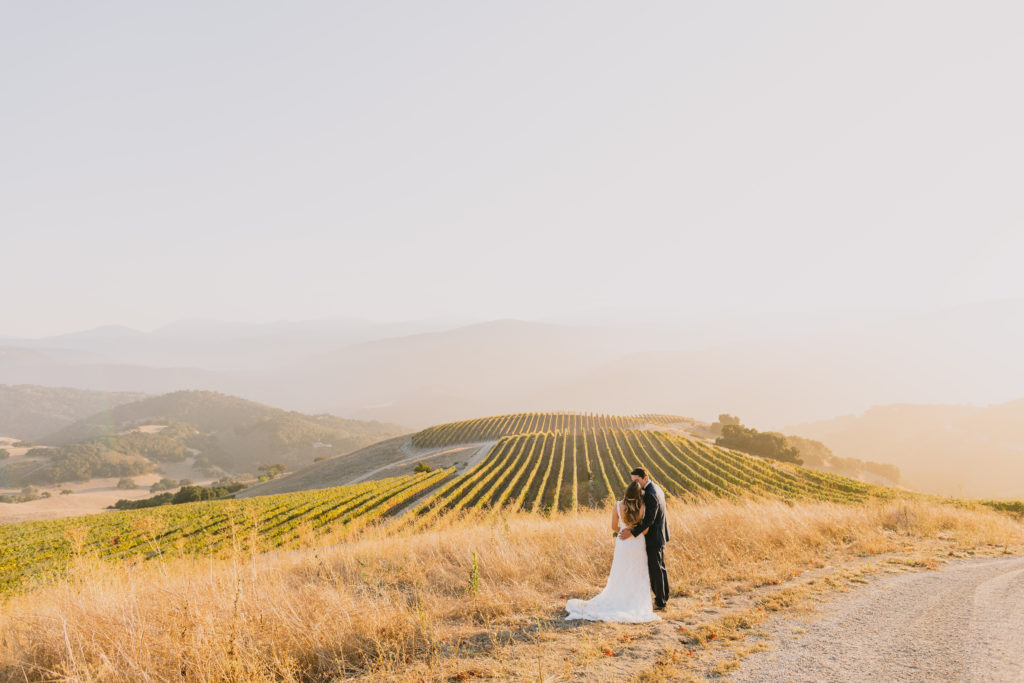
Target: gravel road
[(963, 622)]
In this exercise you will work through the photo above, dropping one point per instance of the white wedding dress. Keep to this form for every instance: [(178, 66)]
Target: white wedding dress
[(626, 597)]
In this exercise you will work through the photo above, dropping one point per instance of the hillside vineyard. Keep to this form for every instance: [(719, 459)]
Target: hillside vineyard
[(490, 428), (589, 466), (37, 550)]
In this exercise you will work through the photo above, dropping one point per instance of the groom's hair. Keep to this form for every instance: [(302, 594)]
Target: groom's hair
[(639, 472)]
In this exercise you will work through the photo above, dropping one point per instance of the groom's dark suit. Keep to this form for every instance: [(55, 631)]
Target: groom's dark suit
[(655, 520)]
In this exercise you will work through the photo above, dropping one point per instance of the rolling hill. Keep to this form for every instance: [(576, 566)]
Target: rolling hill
[(29, 412), (233, 432), (217, 433), (961, 450), (562, 461), (573, 461)]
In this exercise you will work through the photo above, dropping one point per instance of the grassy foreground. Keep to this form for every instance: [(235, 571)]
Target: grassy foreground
[(412, 607)]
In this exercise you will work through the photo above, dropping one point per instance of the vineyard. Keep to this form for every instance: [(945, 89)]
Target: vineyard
[(37, 550), (540, 462), (567, 470), (491, 428)]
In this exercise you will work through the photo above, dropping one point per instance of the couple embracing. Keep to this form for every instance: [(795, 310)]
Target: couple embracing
[(638, 565)]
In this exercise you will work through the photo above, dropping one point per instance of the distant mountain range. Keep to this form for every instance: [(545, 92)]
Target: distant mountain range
[(770, 370), (959, 450), (214, 345)]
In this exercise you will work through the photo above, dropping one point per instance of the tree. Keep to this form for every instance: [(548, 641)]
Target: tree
[(766, 444), (127, 483), (272, 470), (422, 467), (813, 453), (724, 419), (164, 484)]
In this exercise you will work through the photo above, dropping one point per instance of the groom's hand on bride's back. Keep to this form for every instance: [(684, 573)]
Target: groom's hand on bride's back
[(625, 533)]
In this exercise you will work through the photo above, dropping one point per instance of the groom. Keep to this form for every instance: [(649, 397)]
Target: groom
[(655, 520)]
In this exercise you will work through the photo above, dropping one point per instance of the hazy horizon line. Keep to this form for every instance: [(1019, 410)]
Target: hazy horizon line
[(473, 319)]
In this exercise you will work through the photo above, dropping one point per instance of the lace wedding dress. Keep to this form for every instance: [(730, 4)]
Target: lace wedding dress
[(626, 597)]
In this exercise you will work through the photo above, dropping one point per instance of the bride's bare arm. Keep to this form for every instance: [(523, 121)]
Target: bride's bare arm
[(615, 518)]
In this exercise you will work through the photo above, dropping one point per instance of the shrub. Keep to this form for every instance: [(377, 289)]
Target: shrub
[(164, 484), (271, 471)]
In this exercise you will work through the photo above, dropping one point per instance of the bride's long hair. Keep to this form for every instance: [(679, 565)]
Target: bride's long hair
[(632, 500)]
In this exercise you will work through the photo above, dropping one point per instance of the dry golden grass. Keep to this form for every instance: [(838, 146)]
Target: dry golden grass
[(397, 607)]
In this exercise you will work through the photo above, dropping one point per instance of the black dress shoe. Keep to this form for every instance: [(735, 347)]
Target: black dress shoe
[(660, 608)]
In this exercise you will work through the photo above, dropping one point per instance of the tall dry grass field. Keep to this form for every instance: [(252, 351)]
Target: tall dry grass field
[(395, 605)]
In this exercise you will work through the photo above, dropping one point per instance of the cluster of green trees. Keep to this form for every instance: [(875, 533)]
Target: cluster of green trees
[(166, 484), (795, 449), (74, 462), (167, 445), (766, 444), (852, 466), (723, 419), (186, 494), (269, 471)]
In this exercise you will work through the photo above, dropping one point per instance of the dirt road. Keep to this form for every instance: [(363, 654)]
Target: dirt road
[(964, 622)]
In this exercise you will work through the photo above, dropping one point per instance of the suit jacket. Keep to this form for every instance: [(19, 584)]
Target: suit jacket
[(654, 517)]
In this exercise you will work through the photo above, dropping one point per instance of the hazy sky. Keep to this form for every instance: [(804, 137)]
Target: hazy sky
[(268, 160)]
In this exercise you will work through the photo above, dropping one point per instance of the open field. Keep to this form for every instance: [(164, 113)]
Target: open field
[(402, 606), (95, 495), (87, 497)]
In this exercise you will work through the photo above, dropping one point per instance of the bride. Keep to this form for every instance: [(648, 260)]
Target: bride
[(627, 595)]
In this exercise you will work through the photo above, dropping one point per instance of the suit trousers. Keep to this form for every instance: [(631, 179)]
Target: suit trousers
[(658, 573)]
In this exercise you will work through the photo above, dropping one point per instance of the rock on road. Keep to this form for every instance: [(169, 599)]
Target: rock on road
[(963, 622)]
